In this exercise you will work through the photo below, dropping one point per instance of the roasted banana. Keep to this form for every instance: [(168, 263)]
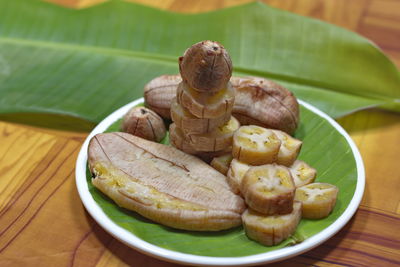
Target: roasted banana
[(255, 145), (268, 189), (178, 140), (273, 229), (190, 124), (222, 163), (289, 149), (302, 173), (318, 199), (235, 174), (219, 139), (206, 105)]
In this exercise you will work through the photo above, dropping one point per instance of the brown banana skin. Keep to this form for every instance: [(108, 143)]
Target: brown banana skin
[(258, 101), (206, 66)]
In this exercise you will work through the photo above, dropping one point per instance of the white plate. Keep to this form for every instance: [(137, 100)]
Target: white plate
[(280, 254)]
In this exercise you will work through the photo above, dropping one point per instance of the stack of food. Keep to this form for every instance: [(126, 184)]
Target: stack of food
[(258, 162), (201, 111)]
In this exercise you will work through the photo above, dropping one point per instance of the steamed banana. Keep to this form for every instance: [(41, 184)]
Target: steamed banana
[(273, 229), (222, 163), (318, 199), (190, 124), (255, 145), (289, 149), (235, 174), (268, 189), (302, 173), (206, 105), (219, 139)]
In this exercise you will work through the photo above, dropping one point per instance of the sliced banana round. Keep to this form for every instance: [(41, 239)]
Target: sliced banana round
[(217, 140), (268, 189), (255, 145), (271, 230), (318, 199), (190, 124), (177, 139), (206, 105), (235, 174), (289, 149), (222, 163), (302, 173)]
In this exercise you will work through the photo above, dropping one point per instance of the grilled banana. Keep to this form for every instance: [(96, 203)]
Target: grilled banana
[(222, 163), (302, 173), (290, 148), (190, 124), (273, 229), (268, 189), (235, 174), (219, 139), (255, 145), (318, 199), (178, 140), (206, 105)]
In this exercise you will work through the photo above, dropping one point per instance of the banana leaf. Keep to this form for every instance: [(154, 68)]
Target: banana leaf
[(69, 68)]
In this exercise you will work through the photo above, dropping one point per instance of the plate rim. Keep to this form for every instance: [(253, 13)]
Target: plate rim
[(149, 249)]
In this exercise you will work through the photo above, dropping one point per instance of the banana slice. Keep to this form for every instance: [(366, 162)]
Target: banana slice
[(222, 163), (290, 148), (219, 139), (302, 173), (177, 139), (255, 145), (235, 174), (318, 199), (190, 124), (268, 189), (273, 229), (206, 105)]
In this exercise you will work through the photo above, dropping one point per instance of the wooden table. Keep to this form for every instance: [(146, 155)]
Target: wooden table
[(43, 223)]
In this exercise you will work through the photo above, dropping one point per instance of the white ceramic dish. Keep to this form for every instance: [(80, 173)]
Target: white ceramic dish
[(280, 254)]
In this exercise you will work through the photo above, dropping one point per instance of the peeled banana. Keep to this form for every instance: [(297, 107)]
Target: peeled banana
[(268, 189), (219, 139), (302, 173), (235, 174), (222, 163), (318, 199), (206, 105), (190, 124), (273, 229), (289, 149), (255, 145)]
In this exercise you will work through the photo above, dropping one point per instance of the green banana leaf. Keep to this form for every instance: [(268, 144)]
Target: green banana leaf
[(70, 68), (324, 148)]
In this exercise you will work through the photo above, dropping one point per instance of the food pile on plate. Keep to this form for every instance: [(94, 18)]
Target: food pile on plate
[(241, 126)]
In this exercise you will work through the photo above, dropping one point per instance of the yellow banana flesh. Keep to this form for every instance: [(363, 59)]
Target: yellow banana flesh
[(255, 145), (268, 189), (302, 173), (273, 229), (318, 199), (222, 163), (289, 149)]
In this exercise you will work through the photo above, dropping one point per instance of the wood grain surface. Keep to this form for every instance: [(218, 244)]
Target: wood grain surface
[(43, 222)]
